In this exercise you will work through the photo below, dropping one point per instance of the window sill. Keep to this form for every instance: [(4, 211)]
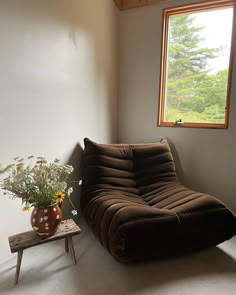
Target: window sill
[(193, 125)]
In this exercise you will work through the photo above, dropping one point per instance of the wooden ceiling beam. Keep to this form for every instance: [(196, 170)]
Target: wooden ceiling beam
[(118, 3), (128, 4)]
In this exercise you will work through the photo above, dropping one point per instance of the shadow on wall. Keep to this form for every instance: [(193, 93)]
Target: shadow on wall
[(77, 40), (97, 19), (75, 160), (179, 168)]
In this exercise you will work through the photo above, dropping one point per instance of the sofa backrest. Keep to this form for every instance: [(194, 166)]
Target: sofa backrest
[(133, 168), (153, 166)]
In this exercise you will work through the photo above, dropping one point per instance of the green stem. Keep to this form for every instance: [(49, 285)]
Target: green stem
[(71, 203)]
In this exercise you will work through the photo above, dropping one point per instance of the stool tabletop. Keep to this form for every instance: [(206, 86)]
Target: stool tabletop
[(29, 239)]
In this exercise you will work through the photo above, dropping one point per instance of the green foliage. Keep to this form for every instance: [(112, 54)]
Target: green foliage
[(211, 115), (194, 94)]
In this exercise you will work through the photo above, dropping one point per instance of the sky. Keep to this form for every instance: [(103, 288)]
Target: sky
[(217, 33)]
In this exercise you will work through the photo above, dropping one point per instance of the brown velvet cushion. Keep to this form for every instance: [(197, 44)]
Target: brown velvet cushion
[(136, 206)]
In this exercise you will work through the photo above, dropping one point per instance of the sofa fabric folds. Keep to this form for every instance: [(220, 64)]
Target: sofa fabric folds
[(136, 206)]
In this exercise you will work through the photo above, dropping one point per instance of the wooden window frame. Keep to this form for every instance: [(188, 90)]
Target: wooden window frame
[(197, 7)]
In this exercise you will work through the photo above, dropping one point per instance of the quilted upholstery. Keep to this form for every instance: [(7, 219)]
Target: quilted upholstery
[(138, 209)]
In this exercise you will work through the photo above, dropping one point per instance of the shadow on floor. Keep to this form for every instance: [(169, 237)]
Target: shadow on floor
[(105, 273), (98, 273)]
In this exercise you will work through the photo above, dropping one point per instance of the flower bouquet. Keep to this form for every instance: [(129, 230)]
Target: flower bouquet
[(38, 184)]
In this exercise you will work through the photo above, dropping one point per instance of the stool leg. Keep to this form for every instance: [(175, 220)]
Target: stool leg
[(72, 250), (19, 258), (66, 245)]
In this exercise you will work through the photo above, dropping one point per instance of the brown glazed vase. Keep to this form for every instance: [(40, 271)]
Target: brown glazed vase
[(45, 221)]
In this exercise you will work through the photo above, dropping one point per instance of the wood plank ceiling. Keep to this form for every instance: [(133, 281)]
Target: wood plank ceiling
[(127, 4)]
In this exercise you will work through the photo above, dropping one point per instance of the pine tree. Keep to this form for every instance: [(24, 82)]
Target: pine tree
[(188, 66)]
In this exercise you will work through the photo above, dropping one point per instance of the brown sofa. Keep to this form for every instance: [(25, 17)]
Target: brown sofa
[(138, 209)]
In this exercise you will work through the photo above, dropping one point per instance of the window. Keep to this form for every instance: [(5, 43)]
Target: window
[(196, 65)]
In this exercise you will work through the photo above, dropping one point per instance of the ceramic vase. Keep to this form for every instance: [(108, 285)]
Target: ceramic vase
[(45, 221)]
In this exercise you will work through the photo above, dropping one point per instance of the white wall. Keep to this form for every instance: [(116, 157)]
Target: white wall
[(57, 84), (205, 157)]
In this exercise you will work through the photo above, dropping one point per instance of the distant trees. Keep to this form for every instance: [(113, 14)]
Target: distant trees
[(194, 93)]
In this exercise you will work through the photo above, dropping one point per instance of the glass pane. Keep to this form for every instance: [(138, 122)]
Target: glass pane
[(198, 55)]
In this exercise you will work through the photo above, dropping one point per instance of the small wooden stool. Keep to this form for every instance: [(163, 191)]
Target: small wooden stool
[(18, 243)]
